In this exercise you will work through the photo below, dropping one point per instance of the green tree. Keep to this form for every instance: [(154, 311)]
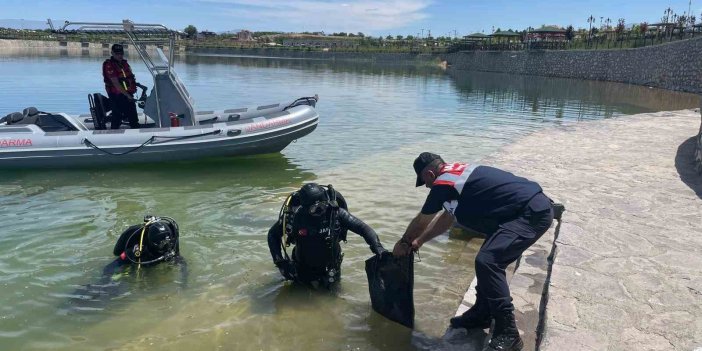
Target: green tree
[(389, 37), (620, 27), (399, 37), (191, 31)]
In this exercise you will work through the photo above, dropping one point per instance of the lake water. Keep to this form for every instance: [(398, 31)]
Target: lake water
[(59, 226)]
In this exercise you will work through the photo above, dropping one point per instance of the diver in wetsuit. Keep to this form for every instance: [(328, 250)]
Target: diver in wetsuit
[(315, 219), (154, 241), (139, 247)]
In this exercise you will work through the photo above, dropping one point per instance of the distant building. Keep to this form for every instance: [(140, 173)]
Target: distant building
[(205, 34), (547, 33), (244, 35)]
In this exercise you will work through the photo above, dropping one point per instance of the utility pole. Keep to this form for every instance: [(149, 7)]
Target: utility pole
[(454, 32), (422, 32)]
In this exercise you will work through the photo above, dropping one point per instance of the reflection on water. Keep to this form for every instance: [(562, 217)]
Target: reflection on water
[(59, 227), (562, 97)]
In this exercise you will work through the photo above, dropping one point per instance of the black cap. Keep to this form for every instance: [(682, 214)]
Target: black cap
[(117, 49), (422, 161)]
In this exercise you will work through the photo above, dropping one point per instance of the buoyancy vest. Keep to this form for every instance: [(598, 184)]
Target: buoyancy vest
[(292, 215), (125, 76), (317, 252), (307, 227)]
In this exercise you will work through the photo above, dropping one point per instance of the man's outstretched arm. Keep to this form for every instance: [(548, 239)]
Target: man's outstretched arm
[(416, 228), (361, 228), (437, 227)]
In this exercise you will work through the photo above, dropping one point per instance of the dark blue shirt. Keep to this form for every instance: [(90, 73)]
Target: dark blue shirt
[(488, 194)]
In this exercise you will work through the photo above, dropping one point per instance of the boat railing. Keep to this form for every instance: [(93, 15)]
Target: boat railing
[(140, 35)]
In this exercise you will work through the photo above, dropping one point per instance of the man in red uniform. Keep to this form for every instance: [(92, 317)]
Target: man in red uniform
[(120, 85)]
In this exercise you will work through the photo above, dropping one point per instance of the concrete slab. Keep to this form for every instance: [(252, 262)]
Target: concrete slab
[(627, 260), (628, 255)]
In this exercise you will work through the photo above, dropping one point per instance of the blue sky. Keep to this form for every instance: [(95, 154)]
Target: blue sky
[(374, 17)]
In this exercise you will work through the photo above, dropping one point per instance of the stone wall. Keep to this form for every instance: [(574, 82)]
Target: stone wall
[(323, 55), (698, 149), (673, 66), (67, 47), (100, 48)]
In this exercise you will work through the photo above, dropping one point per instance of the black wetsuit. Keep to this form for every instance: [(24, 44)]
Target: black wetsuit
[(316, 240), (113, 283)]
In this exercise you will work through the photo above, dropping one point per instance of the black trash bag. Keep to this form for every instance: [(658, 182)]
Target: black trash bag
[(391, 285)]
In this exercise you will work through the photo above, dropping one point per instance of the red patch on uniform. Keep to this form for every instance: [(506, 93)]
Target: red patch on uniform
[(302, 232)]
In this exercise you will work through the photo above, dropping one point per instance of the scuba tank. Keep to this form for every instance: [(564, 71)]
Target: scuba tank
[(156, 240), (316, 206)]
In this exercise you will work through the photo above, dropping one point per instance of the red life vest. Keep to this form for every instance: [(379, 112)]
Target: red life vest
[(112, 68)]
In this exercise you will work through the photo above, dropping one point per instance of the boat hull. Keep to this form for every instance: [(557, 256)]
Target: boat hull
[(71, 149)]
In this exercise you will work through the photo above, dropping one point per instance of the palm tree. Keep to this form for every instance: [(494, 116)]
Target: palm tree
[(666, 15), (620, 26)]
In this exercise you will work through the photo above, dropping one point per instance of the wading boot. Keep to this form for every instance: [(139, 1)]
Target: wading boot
[(505, 336), (477, 317)]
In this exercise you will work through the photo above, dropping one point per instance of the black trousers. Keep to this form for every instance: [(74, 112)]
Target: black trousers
[(503, 247), (123, 109)]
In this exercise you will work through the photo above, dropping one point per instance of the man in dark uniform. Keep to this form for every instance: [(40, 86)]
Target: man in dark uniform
[(315, 220), (511, 211), (120, 85)]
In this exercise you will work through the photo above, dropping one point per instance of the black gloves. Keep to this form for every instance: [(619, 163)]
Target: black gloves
[(287, 269), (378, 249)]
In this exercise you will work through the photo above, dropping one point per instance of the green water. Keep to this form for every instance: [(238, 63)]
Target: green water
[(59, 226)]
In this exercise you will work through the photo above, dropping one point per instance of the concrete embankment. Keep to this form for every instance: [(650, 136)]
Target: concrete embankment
[(323, 55), (674, 66), (66, 47), (103, 49), (621, 272)]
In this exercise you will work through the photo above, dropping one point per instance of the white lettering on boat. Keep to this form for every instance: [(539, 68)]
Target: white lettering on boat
[(267, 124), (15, 142)]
